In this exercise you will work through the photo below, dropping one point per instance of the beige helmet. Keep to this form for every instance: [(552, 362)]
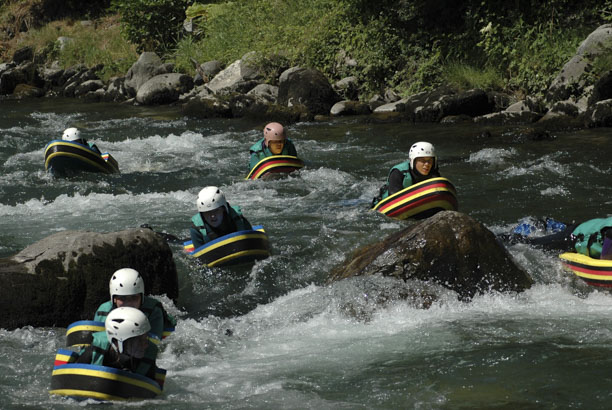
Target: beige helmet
[(274, 131)]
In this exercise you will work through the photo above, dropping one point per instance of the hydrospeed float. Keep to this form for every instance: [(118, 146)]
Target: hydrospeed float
[(420, 200), (275, 165), (65, 157), (595, 272), (232, 249), (80, 333), (100, 382)]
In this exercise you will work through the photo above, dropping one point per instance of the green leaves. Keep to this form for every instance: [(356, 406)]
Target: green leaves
[(153, 25)]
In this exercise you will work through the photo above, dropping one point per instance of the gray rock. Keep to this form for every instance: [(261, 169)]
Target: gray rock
[(600, 114), (27, 91), (23, 54), (211, 68), (570, 79), (240, 76), (9, 80), (265, 92), (164, 89), (115, 90), (308, 87), (450, 249), (64, 277), (391, 96), (347, 88), (397, 106), (141, 72), (508, 118), (350, 108), (88, 86)]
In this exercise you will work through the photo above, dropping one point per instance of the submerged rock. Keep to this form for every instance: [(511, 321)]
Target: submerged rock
[(450, 249), (64, 277)]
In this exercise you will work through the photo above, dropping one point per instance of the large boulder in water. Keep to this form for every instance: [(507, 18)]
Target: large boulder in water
[(450, 249), (308, 87), (64, 277)]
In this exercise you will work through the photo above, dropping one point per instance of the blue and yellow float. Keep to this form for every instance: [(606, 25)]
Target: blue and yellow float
[(232, 249), (86, 381), (65, 157), (79, 333)]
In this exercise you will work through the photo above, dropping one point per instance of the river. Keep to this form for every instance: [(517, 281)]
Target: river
[(276, 335)]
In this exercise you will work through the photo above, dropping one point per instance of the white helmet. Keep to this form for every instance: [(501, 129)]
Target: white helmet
[(125, 282), (422, 149), (71, 134), (211, 198), (124, 323)]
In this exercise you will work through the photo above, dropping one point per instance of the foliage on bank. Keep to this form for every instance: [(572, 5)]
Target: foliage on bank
[(408, 46)]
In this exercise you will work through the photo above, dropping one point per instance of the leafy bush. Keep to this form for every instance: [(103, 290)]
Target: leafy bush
[(153, 25)]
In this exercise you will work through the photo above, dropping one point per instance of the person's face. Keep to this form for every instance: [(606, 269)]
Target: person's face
[(215, 217), (424, 165), (276, 146), (127, 300), (136, 346)]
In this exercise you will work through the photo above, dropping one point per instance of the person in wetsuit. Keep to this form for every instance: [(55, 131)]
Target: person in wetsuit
[(274, 142), (126, 288), (74, 135), (124, 344), (592, 238), (422, 164), (215, 217)]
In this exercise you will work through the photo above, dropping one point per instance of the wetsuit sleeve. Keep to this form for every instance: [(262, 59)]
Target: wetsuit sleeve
[(196, 237), (255, 158), (95, 148), (396, 181), (156, 319), (291, 149), (243, 224), (85, 355), (606, 248)]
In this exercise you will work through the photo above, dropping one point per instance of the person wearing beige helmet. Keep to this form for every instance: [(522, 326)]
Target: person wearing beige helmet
[(274, 142), (215, 217), (422, 164)]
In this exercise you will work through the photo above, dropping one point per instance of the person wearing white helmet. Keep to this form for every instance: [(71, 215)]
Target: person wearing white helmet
[(215, 217), (123, 344), (127, 289), (592, 238), (74, 135), (274, 142), (422, 164)]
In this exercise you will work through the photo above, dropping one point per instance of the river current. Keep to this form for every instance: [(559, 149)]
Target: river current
[(277, 335)]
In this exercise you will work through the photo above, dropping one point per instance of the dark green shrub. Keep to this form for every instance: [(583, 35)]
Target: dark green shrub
[(152, 25)]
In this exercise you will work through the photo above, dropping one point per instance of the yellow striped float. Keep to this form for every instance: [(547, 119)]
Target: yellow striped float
[(275, 164), (595, 272), (420, 200)]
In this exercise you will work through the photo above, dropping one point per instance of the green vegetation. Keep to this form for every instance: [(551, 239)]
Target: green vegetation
[(407, 45), (86, 45), (153, 25)]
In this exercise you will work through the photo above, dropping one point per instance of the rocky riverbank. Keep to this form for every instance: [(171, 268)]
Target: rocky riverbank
[(239, 90)]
